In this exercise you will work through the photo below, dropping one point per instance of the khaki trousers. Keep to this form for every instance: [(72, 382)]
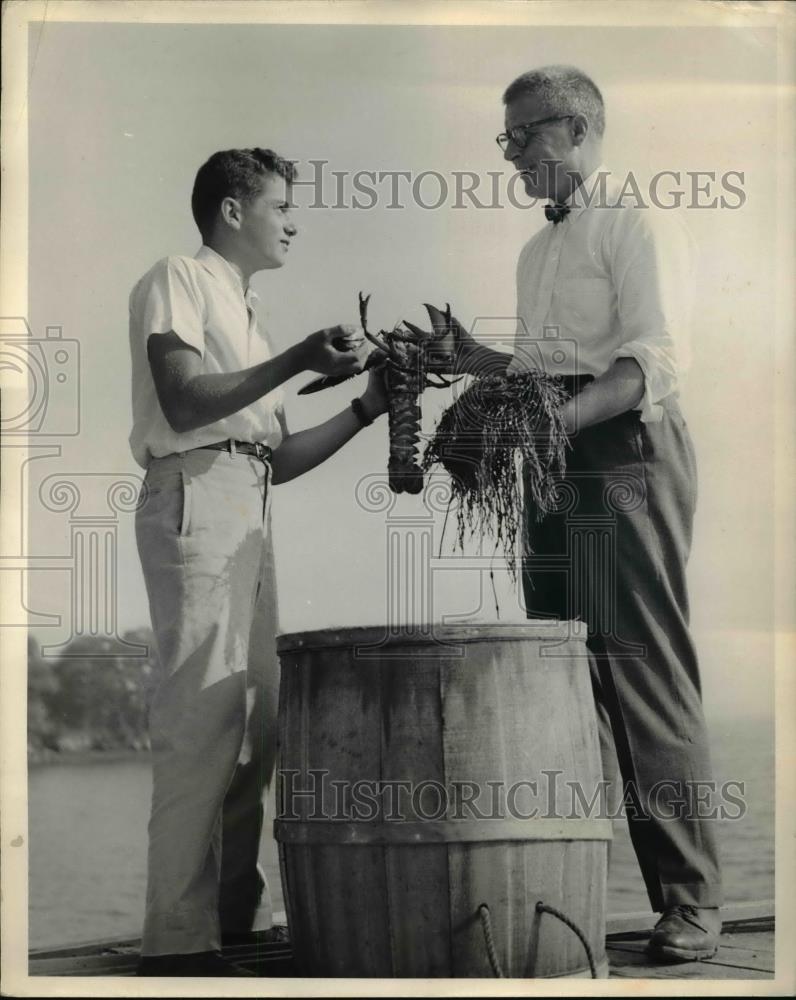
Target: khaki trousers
[(203, 540)]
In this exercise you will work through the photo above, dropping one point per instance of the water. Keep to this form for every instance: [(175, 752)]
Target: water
[(88, 841)]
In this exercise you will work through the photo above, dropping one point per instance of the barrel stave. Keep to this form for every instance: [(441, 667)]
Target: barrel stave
[(412, 752)]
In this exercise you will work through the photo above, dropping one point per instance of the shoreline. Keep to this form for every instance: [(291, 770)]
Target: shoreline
[(40, 758)]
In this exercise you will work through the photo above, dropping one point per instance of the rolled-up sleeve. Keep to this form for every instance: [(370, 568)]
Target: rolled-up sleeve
[(652, 262), (168, 299)]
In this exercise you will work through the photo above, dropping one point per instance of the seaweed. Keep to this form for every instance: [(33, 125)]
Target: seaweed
[(503, 443)]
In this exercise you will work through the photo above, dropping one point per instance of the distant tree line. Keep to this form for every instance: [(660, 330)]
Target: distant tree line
[(85, 699)]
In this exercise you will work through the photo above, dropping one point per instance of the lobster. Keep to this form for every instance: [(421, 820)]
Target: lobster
[(413, 357), (414, 360)]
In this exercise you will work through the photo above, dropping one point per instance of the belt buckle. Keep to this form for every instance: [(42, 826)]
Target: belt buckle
[(259, 450)]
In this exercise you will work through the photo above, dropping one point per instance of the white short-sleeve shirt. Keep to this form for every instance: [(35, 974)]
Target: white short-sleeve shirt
[(613, 279), (203, 301)]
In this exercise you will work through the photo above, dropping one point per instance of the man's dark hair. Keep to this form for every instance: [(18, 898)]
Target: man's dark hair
[(233, 173), (564, 90)]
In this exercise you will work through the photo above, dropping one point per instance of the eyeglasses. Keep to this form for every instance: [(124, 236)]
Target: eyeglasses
[(520, 134)]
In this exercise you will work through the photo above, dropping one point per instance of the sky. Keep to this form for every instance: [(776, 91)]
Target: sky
[(120, 118)]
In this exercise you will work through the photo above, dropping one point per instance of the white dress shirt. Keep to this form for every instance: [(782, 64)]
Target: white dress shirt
[(612, 280), (202, 299)]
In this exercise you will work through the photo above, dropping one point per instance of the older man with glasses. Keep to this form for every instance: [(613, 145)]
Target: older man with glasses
[(613, 283)]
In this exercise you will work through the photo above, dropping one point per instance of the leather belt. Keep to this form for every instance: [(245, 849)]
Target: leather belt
[(256, 448)]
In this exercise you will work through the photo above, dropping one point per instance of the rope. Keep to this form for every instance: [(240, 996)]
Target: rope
[(486, 924), (544, 908), (492, 579), (489, 941), (444, 525)]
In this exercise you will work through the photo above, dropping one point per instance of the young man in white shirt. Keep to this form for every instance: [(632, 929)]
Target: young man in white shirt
[(612, 284), (209, 427)]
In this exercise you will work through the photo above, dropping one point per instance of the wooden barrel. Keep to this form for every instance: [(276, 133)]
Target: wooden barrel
[(422, 779)]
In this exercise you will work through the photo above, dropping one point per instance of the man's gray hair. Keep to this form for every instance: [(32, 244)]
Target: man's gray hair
[(564, 90)]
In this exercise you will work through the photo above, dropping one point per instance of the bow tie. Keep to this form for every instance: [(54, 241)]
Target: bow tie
[(556, 213)]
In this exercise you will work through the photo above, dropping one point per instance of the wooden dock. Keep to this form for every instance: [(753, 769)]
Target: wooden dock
[(746, 949), (746, 952)]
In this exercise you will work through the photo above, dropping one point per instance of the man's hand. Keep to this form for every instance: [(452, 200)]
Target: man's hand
[(298, 453), (374, 398), (616, 391), (337, 350)]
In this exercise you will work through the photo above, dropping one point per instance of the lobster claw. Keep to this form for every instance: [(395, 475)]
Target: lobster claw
[(440, 321), (420, 334), (451, 339), (441, 346), (440, 325), (437, 356), (445, 324)]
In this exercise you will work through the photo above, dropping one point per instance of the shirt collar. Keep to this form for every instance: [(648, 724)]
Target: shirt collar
[(591, 192), (221, 268)]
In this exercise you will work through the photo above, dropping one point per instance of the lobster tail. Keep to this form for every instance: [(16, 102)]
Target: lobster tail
[(411, 357), (405, 478), (404, 386)]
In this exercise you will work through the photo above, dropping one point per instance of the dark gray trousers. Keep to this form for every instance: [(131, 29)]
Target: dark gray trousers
[(613, 554)]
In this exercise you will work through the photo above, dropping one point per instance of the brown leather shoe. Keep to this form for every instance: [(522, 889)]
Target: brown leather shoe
[(686, 934), (202, 963)]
